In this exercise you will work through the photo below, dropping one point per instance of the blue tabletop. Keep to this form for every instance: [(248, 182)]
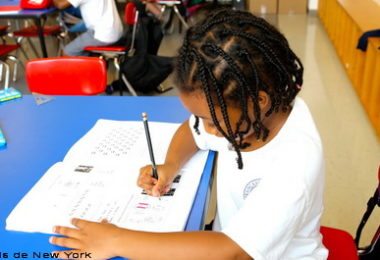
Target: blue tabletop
[(22, 13), (40, 135)]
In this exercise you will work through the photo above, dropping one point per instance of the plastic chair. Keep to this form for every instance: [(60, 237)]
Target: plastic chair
[(7, 93), (115, 52), (67, 76), (31, 31), (7, 49), (5, 55), (340, 244)]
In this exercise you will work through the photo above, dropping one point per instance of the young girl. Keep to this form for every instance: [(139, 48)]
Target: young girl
[(239, 78)]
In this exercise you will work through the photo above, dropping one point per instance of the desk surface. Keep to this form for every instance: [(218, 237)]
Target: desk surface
[(40, 135), (26, 14), (11, 9)]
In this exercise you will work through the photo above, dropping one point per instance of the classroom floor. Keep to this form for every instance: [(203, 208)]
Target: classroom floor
[(352, 149)]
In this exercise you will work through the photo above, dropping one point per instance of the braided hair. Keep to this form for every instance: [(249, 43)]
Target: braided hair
[(231, 56)]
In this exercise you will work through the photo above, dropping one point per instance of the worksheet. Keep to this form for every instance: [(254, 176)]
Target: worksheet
[(97, 180)]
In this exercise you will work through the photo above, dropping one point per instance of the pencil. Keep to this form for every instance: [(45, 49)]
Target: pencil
[(150, 147)]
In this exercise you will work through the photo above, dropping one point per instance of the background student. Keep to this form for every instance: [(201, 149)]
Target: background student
[(238, 77), (102, 21)]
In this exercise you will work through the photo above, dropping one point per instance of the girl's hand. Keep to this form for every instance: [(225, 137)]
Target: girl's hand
[(91, 240), (152, 186)]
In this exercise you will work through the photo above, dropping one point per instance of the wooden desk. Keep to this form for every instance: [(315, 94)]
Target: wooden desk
[(345, 22), (365, 13)]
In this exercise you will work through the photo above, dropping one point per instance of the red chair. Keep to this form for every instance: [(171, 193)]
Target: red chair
[(32, 32), (340, 244), (130, 19), (115, 52), (67, 76), (7, 49), (5, 55)]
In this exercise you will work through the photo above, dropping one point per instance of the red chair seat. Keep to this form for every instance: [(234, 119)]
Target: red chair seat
[(340, 244), (108, 48), (7, 48), (32, 31)]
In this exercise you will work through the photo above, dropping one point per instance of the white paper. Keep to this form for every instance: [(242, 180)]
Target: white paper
[(97, 180)]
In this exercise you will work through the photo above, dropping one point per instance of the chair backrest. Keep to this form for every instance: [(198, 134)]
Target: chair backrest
[(340, 244), (131, 16), (130, 13), (32, 4), (67, 76)]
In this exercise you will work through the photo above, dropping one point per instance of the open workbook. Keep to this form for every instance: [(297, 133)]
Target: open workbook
[(97, 180)]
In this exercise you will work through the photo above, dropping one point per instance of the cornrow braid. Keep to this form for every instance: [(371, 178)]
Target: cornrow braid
[(231, 56), (260, 129), (230, 136), (207, 91), (196, 125)]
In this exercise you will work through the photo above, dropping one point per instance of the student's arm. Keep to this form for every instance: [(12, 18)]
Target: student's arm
[(182, 147), (103, 241), (61, 4)]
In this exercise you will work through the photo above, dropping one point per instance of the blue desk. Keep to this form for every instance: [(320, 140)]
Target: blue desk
[(38, 16), (39, 136)]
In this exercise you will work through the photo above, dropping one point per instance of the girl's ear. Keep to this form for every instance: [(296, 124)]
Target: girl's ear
[(264, 101)]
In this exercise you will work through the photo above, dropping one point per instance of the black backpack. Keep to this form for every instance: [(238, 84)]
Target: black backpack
[(144, 69)]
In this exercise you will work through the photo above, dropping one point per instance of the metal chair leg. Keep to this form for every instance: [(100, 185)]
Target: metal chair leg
[(32, 47), (180, 17), (15, 66), (61, 43), (6, 82), (24, 53), (129, 86), (162, 11)]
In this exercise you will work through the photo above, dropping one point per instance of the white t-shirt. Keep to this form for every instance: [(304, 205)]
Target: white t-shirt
[(272, 207), (102, 17)]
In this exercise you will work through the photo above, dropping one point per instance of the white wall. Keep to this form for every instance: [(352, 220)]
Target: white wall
[(313, 4)]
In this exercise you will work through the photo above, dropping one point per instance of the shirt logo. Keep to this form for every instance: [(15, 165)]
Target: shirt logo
[(250, 186)]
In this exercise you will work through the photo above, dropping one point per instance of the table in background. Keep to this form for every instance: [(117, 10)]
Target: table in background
[(40, 135), (346, 21), (38, 16)]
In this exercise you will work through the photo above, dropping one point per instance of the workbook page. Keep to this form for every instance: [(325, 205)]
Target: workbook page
[(122, 142), (94, 185), (66, 191)]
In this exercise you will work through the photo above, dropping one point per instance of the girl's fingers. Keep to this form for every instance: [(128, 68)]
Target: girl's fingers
[(160, 189), (81, 223), (65, 242), (146, 181), (66, 231), (146, 186), (104, 221), (151, 185)]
